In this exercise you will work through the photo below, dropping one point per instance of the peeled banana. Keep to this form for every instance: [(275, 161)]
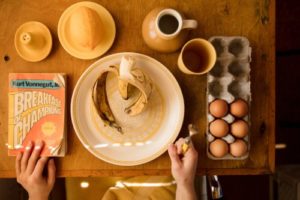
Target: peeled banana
[(125, 68), (136, 78), (128, 76), (123, 89)]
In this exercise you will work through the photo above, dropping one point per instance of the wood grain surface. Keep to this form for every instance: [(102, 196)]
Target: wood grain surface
[(254, 19)]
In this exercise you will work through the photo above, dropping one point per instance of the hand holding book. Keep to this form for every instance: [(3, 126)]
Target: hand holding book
[(29, 171)]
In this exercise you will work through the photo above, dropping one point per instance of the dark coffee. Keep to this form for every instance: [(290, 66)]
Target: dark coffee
[(195, 58), (168, 24)]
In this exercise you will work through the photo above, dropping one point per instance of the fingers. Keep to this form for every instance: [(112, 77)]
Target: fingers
[(26, 156), (179, 144), (18, 164), (191, 157), (176, 162), (40, 165), (191, 148), (51, 172), (34, 156)]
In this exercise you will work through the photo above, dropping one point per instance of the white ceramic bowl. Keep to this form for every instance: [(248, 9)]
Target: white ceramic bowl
[(147, 135)]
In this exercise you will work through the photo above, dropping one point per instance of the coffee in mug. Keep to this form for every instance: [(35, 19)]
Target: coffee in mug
[(197, 57), (169, 23)]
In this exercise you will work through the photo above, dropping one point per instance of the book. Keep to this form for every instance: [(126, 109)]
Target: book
[(37, 112)]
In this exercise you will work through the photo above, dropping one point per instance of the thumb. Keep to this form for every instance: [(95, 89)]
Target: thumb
[(51, 172), (191, 157), (176, 162)]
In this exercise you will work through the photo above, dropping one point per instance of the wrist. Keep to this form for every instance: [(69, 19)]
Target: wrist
[(185, 183), (185, 192), (38, 197), (186, 187)]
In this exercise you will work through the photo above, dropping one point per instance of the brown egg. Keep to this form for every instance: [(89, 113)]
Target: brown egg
[(218, 108), (239, 108), (218, 148), (239, 128), (238, 148), (218, 128)]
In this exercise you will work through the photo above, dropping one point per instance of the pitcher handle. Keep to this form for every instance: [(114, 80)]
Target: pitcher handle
[(189, 23)]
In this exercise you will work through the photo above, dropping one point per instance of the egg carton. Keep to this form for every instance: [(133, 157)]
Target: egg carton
[(229, 79)]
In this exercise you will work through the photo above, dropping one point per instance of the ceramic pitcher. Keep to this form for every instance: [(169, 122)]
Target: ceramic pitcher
[(165, 29)]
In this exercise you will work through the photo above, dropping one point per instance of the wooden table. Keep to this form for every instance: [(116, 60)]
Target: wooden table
[(253, 19)]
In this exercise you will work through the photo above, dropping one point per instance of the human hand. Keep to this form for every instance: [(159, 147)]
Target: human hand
[(29, 171), (184, 169)]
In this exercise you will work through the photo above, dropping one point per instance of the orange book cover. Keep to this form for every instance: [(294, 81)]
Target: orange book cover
[(37, 112)]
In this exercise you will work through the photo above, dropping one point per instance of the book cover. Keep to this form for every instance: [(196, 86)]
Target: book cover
[(37, 112)]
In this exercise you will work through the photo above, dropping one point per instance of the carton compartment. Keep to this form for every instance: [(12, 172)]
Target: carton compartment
[(217, 70), (238, 68), (237, 47), (219, 46), (239, 89), (215, 88)]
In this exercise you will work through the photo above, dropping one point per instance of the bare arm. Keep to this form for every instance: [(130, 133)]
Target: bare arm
[(184, 170)]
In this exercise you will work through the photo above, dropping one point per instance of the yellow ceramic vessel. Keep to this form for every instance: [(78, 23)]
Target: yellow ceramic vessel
[(33, 41), (158, 41)]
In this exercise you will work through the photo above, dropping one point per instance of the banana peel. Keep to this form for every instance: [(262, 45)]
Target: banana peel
[(128, 77), (99, 96), (136, 78)]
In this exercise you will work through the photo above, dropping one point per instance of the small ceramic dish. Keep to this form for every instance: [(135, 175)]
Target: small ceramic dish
[(108, 35), (33, 41)]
